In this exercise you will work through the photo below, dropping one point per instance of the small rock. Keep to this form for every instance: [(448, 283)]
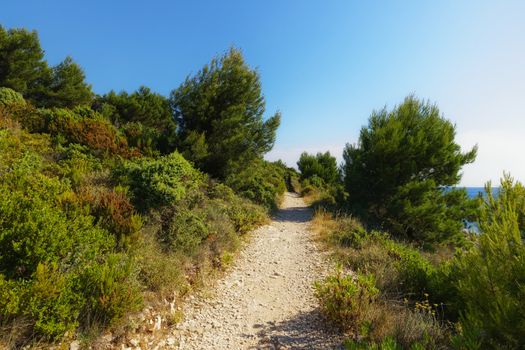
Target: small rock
[(170, 341), (75, 345)]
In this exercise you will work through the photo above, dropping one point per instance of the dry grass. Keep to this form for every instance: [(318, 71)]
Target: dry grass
[(323, 224), (440, 254), (389, 316), (407, 326)]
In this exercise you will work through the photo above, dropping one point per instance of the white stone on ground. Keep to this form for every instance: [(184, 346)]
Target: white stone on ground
[(266, 301)]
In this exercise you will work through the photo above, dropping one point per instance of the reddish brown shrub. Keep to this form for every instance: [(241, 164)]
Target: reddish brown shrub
[(112, 209)]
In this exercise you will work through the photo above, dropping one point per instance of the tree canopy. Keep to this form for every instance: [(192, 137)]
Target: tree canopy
[(22, 64), (142, 113), (9, 97), (24, 69), (219, 114), (396, 174), (321, 165), (67, 87)]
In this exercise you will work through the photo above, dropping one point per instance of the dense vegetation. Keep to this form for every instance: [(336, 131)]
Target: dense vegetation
[(396, 175), (421, 281), (320, 179), (100, 203), (23, 69), (219, 113), (111, 202)]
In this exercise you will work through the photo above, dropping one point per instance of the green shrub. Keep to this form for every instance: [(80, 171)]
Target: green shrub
[(246, 215), (222, 234), (196, 219), (260, 181), (350, 233), (145, 117), (29, 117), (415, 271), (159, 271), (35, 229), (320, 169), (111, 290), (491, 276), (10, 97), (86, 128), (398, 267), (144, 138), (186, 230), (161, 181), (345, 300), (79, 125), (50, 251), (386, 344), (77, 164), (396, 173), (52, 301)]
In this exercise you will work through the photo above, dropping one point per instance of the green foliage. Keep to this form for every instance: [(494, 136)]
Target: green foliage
[(245, 215), (344, 300), (400, 269), (395, 174), (415, 272), (66, 87), (146, 118), (386, 344), (34, 229), (112, 209), (321, 180), (491, 275), (78, 164), (404, 277), (49, 250), (75, 256), (23, 69), (111, 290), (161, 181), (320, 169), (216, 218), (220, 111), (47, 299), (22, 64), (186, 231), (142, 137), (10, 97), (350, 233), (260, 181), (291, 177), (82, 126)]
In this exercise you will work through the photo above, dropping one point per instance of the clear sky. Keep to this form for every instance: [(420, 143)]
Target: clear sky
[(324, 64)]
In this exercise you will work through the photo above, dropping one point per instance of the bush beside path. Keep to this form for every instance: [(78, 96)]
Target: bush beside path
[(267, 299)]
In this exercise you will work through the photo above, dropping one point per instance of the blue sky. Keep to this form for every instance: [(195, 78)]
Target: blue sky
[(324, 64)]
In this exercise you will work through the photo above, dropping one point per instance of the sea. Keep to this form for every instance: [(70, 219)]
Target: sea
[(474, 192)]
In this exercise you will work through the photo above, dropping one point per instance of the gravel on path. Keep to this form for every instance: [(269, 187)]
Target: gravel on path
[(266, 300)]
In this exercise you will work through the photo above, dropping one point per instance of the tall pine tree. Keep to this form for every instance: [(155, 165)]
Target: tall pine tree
[(219, 114)]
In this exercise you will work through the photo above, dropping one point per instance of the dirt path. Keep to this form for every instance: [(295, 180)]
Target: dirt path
[(266, 301)]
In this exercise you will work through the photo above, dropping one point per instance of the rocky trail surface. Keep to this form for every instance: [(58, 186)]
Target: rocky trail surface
[(266, 300)]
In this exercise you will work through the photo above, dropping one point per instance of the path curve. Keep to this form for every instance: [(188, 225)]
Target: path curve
[(266, 300)]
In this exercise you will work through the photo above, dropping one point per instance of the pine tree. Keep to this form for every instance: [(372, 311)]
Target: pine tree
[(221, 108), (395, 176), (22, 64), (491, 275)]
